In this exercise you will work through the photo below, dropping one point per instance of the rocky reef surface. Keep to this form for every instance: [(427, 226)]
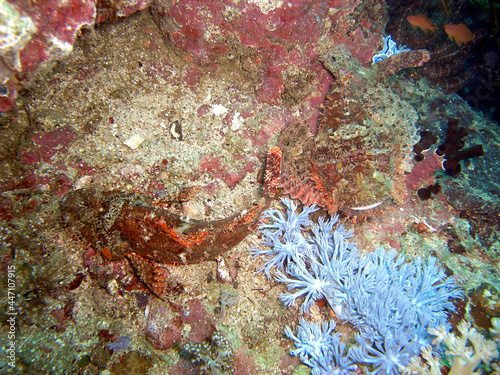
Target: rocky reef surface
[(181, 102)]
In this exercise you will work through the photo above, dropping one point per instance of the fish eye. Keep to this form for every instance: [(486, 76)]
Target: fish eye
[(70, 217)]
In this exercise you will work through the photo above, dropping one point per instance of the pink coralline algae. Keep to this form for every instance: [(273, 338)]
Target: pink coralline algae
[(212, 164), (38, 33), (163, 325), (269, 41), (50, 29), (48, 144)]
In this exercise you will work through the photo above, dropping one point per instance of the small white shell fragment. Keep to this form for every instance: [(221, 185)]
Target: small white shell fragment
[(82, 182), (134, 141), (219, 109), (224, 270), (237, 122)]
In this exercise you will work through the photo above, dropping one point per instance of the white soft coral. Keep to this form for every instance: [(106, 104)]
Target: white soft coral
[(463, 358)]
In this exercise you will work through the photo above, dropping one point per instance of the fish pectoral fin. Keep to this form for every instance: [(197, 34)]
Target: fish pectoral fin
[(152, 274)]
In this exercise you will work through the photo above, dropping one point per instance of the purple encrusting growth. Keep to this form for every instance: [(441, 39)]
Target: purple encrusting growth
[(389, 301), (122, 343)]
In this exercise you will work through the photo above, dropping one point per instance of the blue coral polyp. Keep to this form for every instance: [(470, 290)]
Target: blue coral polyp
[(389, 301)]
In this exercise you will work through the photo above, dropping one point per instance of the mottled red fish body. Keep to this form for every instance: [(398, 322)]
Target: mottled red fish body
[(125, 223)]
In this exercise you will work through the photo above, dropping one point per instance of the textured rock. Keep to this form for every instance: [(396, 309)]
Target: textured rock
[(35, 34), (271, 41)]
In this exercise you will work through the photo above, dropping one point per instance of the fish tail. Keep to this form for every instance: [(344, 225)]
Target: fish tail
[(273, 171)]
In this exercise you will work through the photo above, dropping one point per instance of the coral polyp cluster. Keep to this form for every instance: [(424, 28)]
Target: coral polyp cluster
[(212, 357), (463, 353), (390, 302)]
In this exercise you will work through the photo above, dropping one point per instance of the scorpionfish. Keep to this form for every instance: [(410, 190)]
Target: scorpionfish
[(129, 225)]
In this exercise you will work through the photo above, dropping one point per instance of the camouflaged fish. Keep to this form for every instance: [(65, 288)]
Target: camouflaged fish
[(128, 225)]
